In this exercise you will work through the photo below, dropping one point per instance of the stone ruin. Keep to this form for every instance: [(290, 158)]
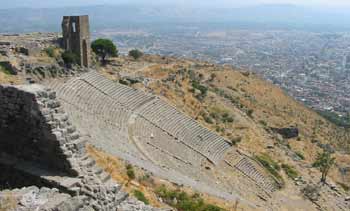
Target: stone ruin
[(41, 144), (43, 161), (149, 132), (76, 37)]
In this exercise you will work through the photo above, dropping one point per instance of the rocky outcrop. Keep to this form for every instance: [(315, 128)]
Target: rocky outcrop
[(287, 133), (34, 198)]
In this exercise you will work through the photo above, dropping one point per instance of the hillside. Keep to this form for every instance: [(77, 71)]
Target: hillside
[(261, 123), (235, 91), (254, 105)]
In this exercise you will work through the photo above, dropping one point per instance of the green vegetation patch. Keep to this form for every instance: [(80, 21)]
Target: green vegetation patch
[(270, 165), (344, 186), (135, 53), (70, 57), (140, 196), (221, 114), (300, 155), (324, 162), (203, 89), (250, 113), (5, 69), (50, 51), (290, 171), (183, 201), (104, 48), (130, 172), (207, 118)]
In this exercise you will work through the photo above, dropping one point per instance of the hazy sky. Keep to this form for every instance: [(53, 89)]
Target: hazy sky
[(219, 3)]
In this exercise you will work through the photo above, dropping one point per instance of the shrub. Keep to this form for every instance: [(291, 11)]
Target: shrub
[(235, 140), (270, 165), (136, 54), (221, 113), (300, 155), (311, 192), (5, 69), (290, 171), (218, 91), (130, 172), (146, 179), (324, 163), (201, 88), (214, 114), (262, 122), (212, 77), (70, 57), (184, 202), (192, 75), (50, 51), (288, 146), (123, 82), (140, 196), (250, 113), (344, 186), (104, 48), (225, 117), (208, 119)]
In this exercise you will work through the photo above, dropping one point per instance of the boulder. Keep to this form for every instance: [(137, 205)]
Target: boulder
[(287, 133)]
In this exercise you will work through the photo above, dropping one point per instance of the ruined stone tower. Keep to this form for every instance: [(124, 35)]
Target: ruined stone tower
[(76, 37)]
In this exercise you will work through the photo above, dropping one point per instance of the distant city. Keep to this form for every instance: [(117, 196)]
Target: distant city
[(312, 67)]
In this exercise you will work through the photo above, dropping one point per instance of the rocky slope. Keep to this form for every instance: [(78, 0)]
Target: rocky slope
[(240, 106)]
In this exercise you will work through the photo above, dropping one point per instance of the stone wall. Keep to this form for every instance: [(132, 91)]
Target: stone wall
[(32, 126), (76, 37), (37, 139)]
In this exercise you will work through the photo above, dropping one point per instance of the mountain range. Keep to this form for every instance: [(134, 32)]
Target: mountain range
[(109, 16)]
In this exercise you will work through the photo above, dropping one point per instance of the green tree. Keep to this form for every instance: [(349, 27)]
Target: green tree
[(136, 54), (324, 163), (104, 48)]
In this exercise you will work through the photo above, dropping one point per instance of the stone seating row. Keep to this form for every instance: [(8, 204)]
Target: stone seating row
[(128, 96), (186, 129), (111, 101), (148, 132), (248, 168), (93, 101)]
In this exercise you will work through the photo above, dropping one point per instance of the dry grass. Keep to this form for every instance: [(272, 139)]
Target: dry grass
[(116, 168), (9, 79), (7, 202)]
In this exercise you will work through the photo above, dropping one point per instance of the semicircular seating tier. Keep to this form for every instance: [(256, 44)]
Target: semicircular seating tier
[(112, 104)]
